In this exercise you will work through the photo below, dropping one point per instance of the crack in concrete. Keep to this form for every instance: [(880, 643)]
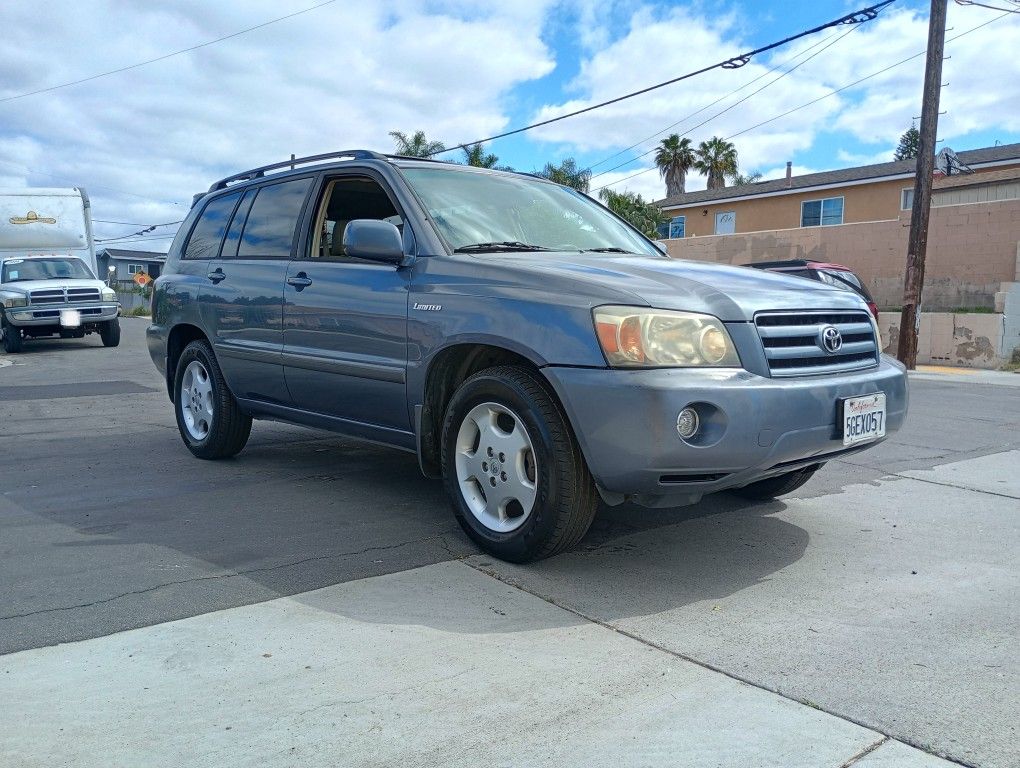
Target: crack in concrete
[(710, 667), (440, 538), (865, 752)]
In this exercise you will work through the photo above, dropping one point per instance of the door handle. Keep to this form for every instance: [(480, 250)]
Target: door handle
[(216, 275), (299, 281)]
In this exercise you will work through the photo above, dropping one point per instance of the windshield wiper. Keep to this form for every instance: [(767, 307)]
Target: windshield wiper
[(606, 250), (505, 245)]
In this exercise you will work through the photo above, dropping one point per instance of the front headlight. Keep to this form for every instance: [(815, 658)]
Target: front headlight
[(109, 294), (15, 301), (634, 337)]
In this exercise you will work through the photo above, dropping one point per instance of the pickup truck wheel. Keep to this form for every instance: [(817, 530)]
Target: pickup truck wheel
[(767, 489), (12, 338), (517, 480), (210, 421), (109, 332)]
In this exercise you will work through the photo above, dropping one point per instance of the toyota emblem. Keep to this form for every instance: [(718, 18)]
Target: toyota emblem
[(831, 339)]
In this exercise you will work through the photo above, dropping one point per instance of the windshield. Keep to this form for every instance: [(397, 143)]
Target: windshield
[(496, 212), (15, 270)]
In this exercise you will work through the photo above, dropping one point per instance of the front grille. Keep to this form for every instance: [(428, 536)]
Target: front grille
[(83, 294), (47, 296), (794, 345)]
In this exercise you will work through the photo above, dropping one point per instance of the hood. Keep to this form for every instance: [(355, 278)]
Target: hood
[(733, 294), (26, 286)]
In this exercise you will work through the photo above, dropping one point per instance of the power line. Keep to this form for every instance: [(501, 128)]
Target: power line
[(707, 106), (165, 56), (734, 104), (24, 169), (857, 17), (135, 223), (821, 98)]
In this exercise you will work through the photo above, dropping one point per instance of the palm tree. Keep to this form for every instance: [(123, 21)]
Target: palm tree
[(717, 159), (675, 158), (417, 145), (568, 174), (739, 179), (475, 155)]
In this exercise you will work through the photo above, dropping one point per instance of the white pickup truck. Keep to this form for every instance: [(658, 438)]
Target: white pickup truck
[(48, 282)]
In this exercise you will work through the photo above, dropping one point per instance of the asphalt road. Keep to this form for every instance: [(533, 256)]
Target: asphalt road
[(107, 523)]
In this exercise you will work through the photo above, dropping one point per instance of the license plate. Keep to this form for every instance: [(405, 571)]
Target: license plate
[(863, 418), (70, 318)]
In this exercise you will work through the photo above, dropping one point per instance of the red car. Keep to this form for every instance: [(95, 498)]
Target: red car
[(835, 275)]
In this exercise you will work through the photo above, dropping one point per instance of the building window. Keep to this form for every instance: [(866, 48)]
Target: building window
[(814, 213), (678, 226), (134, 269), (725, 223), (907, 199)]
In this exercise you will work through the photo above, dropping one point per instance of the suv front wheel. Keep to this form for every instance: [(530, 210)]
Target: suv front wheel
[(518, 483), (210, 421)]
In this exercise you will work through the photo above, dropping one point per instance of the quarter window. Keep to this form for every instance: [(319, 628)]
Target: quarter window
[(204, 242), (815, 213), (273, 220)]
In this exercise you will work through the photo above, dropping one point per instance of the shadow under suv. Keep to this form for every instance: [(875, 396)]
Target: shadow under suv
[(534, 350)]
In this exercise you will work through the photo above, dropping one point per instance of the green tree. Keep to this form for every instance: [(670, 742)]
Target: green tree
[(568, 174), (910, 144), (416, 145), (740, 179), (674, 158), (716, 159), (475, 154), (635, 210)]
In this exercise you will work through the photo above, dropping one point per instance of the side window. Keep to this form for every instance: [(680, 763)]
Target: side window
[(204, 242), (273, 220), (230, 242), (345, 200)]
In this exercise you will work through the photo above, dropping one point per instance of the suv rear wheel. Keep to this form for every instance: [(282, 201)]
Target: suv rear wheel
[(210, 421), (515, 475), (771, 487)]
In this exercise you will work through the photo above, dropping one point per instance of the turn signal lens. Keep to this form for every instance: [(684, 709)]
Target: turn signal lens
[(630, 340)]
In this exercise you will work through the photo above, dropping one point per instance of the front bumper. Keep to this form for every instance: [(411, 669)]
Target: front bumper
[(34, 315), (753, 427)]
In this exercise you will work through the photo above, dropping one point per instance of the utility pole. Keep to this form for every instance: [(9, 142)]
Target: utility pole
[(917, 247)]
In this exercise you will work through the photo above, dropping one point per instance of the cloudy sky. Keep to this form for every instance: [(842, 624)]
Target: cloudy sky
[(344, 74)]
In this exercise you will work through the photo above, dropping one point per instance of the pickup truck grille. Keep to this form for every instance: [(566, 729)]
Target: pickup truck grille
[(64, 295), (795, 346)]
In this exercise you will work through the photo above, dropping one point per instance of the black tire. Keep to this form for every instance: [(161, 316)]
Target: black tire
[(12, 339), (772, 487), (565, 498), (228, 428), (109, 332)]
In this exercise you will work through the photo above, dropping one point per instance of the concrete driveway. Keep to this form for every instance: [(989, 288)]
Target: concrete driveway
[(312, 601)]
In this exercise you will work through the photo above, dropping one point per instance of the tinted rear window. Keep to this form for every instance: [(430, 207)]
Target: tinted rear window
[(208, 232), (273, 219)]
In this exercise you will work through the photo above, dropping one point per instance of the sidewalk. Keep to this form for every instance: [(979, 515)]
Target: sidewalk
[(442, 665), (965, 375)]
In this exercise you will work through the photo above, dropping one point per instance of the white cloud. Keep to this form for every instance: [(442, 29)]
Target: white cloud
[(341, 76)]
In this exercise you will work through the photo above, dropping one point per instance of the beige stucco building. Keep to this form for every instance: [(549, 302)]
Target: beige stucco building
[(847, 196)]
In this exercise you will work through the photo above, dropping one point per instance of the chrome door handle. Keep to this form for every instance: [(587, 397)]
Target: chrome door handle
[(216, 275), (299, 281)]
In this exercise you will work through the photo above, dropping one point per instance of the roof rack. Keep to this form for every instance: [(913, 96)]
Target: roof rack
[(255, 173)]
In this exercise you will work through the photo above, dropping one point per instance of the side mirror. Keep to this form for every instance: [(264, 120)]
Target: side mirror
[(373, 240), (662, 247)]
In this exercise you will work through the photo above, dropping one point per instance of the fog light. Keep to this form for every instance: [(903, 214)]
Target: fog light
[(687, 423)]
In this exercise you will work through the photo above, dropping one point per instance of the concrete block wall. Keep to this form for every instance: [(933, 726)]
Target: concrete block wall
[(972, 250), (970, 340)]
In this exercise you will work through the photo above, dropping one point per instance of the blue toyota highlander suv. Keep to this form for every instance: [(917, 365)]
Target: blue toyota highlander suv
[(534, 350)]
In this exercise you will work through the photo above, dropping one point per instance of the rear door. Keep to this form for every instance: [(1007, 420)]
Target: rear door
[(345, 319), (243, 302)]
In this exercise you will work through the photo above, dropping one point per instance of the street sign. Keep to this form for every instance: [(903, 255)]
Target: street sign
[(142, 278)]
